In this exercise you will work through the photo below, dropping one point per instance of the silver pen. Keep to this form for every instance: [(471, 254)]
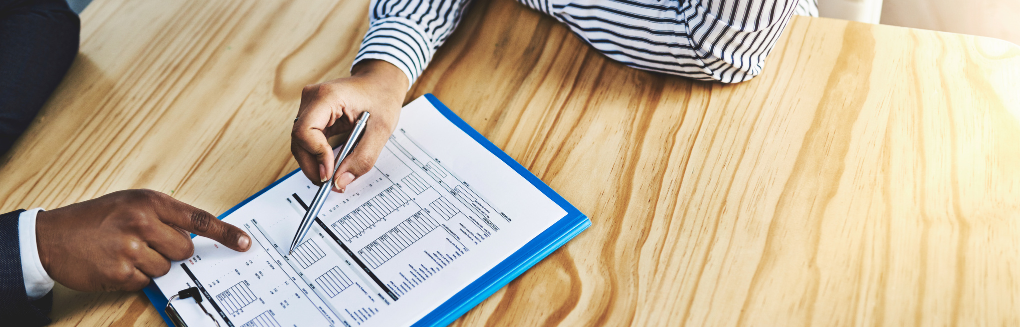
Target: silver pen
[(324, 190)]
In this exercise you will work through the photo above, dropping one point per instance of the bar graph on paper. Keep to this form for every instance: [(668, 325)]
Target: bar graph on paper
[(367, 215), (333, 281), (236, 297), (399, 238), (403, 223), (266, 319)]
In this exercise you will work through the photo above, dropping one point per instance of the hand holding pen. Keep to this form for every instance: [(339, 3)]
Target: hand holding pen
[(332, 108), (320, 196)]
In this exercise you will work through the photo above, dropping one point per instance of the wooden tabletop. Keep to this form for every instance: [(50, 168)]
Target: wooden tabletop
[(871, 174)]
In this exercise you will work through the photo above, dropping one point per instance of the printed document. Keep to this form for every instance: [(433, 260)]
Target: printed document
[(436, 212)]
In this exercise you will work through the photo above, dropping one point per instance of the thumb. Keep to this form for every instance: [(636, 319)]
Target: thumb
[(361, 160)]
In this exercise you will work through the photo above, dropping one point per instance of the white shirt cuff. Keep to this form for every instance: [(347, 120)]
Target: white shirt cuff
[(37, 281)]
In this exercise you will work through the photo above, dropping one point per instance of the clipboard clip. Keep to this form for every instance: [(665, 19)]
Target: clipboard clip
[(171, 312)]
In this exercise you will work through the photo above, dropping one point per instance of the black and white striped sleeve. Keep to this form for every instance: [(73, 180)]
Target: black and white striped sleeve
[(733, 37), (406, 33), (713, 40)]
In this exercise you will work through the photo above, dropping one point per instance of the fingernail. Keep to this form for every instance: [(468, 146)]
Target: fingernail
[(322, 173), (243, 242), (342, 181)]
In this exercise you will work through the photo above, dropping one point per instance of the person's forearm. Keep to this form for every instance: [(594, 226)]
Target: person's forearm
[(384, 75)]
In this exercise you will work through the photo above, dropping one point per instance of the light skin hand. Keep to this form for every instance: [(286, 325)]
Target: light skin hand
[(333, 108), (121, 240)]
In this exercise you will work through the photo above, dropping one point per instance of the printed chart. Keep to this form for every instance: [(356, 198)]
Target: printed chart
[(399, 243), (407, 220)]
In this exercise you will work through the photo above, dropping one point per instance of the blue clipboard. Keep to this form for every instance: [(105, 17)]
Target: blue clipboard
[(527, 256)]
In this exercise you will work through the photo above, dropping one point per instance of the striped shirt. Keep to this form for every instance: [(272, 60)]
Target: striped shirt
[(710, 40)]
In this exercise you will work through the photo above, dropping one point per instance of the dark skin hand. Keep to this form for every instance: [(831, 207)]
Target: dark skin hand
[(332, 108), (121, 240)]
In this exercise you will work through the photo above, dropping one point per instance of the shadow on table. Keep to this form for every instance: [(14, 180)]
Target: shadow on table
[(72, 307)]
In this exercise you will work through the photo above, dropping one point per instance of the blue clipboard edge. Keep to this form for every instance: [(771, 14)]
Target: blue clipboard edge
[(527, 256), (507, 270)]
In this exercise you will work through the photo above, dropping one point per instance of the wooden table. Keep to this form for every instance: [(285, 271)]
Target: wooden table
[(871, 175)]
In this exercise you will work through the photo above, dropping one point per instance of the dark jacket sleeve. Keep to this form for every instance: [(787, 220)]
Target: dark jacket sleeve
[(15, 308), (38, 42)]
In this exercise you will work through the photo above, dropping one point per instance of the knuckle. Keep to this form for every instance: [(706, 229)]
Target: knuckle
[(145, 195), (164, 268), (139, 220), (298, 149), (157, 196), (142, 196), (186, 251), (319, 91), (317, 151), (200, 221), (310, 89), (189, 250), (133, 249), (128, 198), (329, 88), (362, 164), (122, 273), (135, 221), (303, 143)]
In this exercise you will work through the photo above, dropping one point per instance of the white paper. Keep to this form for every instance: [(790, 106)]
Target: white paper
[(436, 213)]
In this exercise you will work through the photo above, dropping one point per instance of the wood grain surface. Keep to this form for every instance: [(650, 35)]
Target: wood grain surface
[(871, 174)]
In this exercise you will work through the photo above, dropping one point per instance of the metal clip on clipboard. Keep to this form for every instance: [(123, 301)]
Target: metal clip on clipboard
[(192, 292)]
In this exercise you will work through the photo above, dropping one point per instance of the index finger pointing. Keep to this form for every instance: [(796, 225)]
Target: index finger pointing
[(202, 223)]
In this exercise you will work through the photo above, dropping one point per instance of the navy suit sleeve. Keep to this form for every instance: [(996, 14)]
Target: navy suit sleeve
[(38, 42), (15, 308)]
